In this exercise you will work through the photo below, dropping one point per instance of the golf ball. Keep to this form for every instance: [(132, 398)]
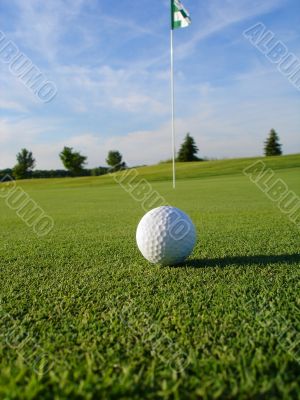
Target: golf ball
[(166, 235)]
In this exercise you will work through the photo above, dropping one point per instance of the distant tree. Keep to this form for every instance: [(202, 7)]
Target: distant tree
[(272, 144), (25, 165), (188, 150), (5, 175), (59, 173), (73, 161), (99, 171), (114, 160)]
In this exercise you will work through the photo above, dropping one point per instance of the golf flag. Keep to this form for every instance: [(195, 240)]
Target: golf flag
[(180, 16)]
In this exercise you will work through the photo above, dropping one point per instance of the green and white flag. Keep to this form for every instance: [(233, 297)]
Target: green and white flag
[(180, 16)]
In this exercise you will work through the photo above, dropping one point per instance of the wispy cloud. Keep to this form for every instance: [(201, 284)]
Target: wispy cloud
[(106, 87), (221, 14), (41, 24), (12, 106)]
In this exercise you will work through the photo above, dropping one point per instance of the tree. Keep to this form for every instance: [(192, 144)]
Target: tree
[(5, 175), (99, 171), (25, 165), (73, 161), (188, 150), (272, 144), (114, 160)]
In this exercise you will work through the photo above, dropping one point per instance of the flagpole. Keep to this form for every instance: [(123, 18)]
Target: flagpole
[(179, 19), (172, 106)]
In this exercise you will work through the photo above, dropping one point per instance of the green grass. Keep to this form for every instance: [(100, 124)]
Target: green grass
[(84, 316), (163, 172)]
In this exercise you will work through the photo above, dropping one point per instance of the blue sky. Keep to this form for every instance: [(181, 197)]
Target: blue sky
[(110, 62)]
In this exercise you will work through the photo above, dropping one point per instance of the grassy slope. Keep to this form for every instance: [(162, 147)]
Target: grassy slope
[(112, 326), (163, 172)]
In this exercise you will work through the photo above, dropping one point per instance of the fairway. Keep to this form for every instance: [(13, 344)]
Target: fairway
[(84, 316)]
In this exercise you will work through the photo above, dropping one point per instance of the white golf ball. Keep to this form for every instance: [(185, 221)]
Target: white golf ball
[(166, 235)]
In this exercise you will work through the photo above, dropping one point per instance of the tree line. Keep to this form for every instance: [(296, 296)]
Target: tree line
[(74, 162)]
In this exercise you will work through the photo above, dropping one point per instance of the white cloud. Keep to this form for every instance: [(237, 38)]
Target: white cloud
[(12, 106), (41, 24), (223, 13), (110, 88), (16, 133)]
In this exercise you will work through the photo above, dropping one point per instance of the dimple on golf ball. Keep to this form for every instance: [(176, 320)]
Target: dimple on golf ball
[(166, 235)]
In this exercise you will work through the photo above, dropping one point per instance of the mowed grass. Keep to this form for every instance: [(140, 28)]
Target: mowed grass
[(84, 316)]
